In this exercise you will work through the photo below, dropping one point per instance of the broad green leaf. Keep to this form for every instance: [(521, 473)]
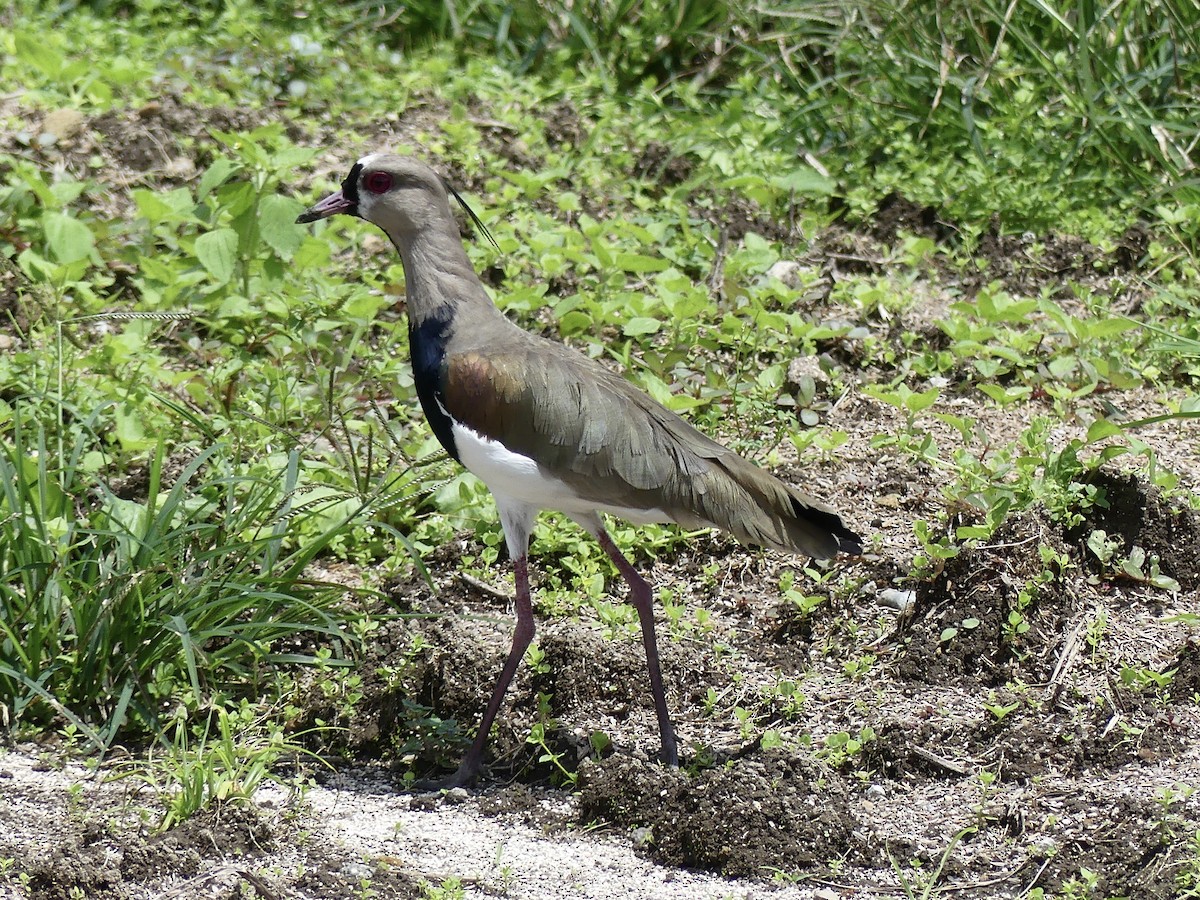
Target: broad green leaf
[(602, 252), (313, 253), (574, 322), (638, 264), (245, 225), (215, 176), (130, 430), (236, 307), (36, 266), (236, 197), (277, 224), (640, 326), (67, 192), (655, 387), (1108, 327), (365, 305), (1005, 353), (1101, 429), (217, 252), (1004, 396), (150, 206), (805, 181), (37, 52), (771, 378), (288, 158), (1062, 366), (684, 402), (916, 402), (1165, 583), (69, 239)]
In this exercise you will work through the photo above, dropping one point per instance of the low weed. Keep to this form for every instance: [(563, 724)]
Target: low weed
[(222, 759)]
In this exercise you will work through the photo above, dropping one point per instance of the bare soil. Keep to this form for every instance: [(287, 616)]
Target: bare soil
[(994, 758)]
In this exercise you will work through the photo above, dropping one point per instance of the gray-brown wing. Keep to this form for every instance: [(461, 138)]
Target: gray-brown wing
[(616, 446)]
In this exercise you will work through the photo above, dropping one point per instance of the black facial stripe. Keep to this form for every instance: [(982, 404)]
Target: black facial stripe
[(350, 185)]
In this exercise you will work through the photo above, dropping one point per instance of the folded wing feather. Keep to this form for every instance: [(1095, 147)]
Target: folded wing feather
[(615, 446)]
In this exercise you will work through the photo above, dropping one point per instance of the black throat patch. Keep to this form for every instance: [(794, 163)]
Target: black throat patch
[(427, 348)]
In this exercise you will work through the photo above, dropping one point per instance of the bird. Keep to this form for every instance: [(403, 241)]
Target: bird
[(545, 427)]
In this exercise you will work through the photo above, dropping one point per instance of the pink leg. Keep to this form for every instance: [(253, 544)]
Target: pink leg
[(468, 769), (643, 599)]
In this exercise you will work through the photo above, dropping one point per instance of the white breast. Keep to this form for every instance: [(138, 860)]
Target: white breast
[(521, 478)]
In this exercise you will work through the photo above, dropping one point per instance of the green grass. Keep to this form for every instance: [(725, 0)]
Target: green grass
[(112, 607)]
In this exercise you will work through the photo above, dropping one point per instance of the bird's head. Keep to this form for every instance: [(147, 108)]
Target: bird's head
[(402, 196)]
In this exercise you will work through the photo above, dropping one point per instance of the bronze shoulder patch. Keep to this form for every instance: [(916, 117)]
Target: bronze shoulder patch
[(478, 390)]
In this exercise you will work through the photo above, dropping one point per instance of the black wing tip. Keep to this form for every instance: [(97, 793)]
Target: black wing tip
[(849, 542), (842, 539)]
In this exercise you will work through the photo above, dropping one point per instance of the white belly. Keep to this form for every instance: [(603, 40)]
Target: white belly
[(520, 478)]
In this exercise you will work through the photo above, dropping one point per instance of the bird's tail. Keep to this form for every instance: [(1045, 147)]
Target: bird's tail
[(760, 509)]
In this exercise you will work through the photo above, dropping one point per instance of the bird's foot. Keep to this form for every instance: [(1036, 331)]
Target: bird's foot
[(464, 777)]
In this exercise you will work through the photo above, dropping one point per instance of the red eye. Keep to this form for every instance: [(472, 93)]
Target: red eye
[(378, 182)]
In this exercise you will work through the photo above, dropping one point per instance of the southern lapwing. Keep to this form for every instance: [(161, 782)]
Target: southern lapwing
[(545, 427)]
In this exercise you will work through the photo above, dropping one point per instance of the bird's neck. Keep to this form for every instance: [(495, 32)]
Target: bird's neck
[(439, 278)]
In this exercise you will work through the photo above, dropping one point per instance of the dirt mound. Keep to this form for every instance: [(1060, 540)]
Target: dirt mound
[(752, 817), (994, 611), (1141, 516)]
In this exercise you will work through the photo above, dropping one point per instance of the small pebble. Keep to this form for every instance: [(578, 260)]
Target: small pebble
[(901, 601), (787, 271), (60, 125), (357, 871), (457, 795)]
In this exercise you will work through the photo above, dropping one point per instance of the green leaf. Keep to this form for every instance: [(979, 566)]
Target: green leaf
[(217, 252), (215, 176), (1108, 327), (245, 225), (574, 322), (313, 253), (69, 239), (1005, 396), (129, 428), (364, 306), (966, 532), (236, 197), (1101, 429), (150, 206), (637, 264), (916, 402), (805, 181), (236, 307), (1063, 366), (37, 52), (277, 224), (640, 326), (1165, 583)]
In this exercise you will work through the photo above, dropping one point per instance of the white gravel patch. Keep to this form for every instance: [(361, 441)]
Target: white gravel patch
[(362, 818)]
